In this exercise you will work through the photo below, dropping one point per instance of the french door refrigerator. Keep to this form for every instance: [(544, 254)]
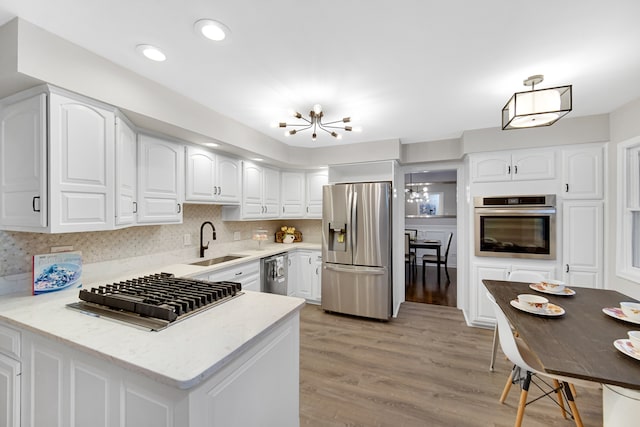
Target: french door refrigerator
[(356, 249)]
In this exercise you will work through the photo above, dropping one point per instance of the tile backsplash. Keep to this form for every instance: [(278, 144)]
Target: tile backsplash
[(17, 248)]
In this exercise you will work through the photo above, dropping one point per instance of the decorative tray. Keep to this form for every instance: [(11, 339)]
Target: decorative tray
[(297, 236)]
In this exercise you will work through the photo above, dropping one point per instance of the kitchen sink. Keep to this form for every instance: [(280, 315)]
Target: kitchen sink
[(218, 260)]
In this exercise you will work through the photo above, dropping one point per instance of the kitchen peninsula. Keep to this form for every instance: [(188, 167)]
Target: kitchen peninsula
[(235, 364)]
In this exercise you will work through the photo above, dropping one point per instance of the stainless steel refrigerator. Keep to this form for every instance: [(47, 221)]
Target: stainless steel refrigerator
[(356, 249)]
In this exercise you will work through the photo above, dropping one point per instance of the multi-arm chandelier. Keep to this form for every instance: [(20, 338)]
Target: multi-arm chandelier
[(315, 122)]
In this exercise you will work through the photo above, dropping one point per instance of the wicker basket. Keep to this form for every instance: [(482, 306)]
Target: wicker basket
[(297, 236)]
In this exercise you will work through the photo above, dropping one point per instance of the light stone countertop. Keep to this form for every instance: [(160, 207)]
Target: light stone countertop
[(182, 355)]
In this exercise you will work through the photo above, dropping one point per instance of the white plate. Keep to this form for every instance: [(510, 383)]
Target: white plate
[(538, 287), (617, 313), (552, 310), (625, 346)]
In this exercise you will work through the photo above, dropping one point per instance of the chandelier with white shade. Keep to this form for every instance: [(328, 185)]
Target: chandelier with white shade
[(537, 107), (315, 123)]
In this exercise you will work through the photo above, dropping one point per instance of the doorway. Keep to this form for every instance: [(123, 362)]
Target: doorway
[(431, 213)]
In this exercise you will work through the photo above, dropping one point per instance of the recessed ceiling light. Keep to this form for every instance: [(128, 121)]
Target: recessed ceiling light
[(210, 144), (213, 30), (257, 159), (151, 52)]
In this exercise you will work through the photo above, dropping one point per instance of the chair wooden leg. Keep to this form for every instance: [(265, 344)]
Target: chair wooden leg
[(556, 385), (507, 386), (573, 390), (523, 400), (494, 349), (572, 405)]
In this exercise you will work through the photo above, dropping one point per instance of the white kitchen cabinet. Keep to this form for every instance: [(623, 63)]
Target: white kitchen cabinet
[(481, 310), (247, 274), (293, 273), (316, 277), (305, 282), (10, 370), (23, 159), (73, 164), (582, 172), (315, 181), (260, 194), (211, 178), (126, 174), (292, 194), (519, 165), (160, 180), (582, 237)]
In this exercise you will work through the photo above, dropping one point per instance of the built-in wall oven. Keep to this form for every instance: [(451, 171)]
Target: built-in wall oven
[(516, 226)]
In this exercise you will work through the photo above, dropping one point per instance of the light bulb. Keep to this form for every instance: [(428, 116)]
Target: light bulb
[(213, 30), (317, 108), (151, 52)]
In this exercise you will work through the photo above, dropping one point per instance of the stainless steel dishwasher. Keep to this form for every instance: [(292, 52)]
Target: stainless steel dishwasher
[(273, 272)]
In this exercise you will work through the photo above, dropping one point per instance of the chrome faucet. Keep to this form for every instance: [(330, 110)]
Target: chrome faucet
[(202, 246)]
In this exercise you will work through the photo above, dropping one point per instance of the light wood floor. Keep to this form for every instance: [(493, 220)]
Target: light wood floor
[(424, 368)]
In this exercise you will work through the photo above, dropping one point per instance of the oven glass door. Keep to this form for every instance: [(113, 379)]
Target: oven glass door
[(515, 233)]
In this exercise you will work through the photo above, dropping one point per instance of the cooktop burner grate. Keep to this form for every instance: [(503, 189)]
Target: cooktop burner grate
[(155, 301)]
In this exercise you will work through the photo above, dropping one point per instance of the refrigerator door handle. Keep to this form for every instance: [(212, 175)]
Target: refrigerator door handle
[(354, 219), (356, 270)]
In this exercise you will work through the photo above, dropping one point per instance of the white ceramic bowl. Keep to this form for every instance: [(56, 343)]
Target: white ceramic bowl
[(553, 285), (634, 337), (533, 302), (631, 310)]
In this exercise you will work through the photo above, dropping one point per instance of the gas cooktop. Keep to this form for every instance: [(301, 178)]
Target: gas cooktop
[(155, 301)]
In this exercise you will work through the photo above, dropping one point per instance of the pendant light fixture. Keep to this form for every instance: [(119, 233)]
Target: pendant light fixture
[(537, 107), (315, 122)]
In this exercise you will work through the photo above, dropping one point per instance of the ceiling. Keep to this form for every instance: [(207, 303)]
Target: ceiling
[(413, 70)]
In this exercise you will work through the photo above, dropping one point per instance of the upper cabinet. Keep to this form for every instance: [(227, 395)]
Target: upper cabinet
[(126, 174), (582, 172), (260, 194), (72, 163), (211, 178), (520, 166), (160, 180), (315, 181), (292, 194)]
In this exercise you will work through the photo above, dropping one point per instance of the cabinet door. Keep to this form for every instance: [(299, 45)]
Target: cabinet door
[(315, 182), (293, 273), (271, 193), (160, 185), (582, 238), (126, 174), (292, 194), (9, 392), (200, 175), (582, 174), (81, 166), (482, 311), (491, 167), (316, 282), (305, 284), (228, 180), (533, 165), (23, 164), (251, 191)]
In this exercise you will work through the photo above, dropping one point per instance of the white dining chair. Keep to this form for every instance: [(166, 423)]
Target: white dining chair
[(526, 366), (514, 276)]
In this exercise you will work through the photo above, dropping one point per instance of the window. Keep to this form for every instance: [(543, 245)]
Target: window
[(628, 210)]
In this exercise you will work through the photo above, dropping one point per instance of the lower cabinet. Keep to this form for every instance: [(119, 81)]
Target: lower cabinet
[(9, 391), (481, 310), (583, 241), (66, 387), (248, 274), (305, 268)]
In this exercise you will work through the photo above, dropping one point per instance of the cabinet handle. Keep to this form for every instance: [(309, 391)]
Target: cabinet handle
[(309, 260), (33, 203), (283, 209), (135, 207), (509, 170), (179, 208), (219, 190), (215, 190), (316, 271), (289, 262), (566, 188), (239, 273), (566, 268), (515, 169), (307, 209)]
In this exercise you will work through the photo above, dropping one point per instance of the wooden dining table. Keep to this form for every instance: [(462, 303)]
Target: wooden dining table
[(428, 244), (579, 343)]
